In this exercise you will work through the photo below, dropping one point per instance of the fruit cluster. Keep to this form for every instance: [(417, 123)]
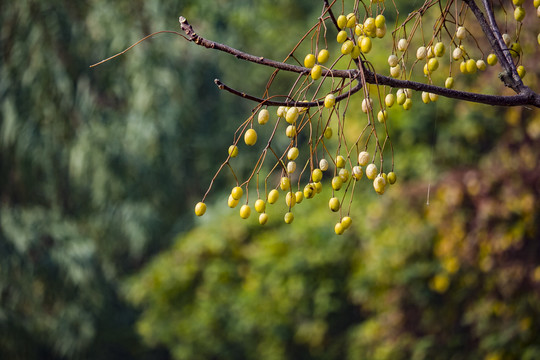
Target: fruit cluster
[(318, 102)]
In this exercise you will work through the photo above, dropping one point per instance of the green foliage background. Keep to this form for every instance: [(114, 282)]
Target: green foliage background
[(101, 169)]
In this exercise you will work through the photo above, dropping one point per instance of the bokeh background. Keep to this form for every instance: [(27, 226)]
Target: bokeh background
[(100, 254)]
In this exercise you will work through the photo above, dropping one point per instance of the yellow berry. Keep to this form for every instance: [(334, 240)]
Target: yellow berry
[(371, 171), (347, 47), (363, 158), (379, 184), (507, 39), (481, 65), (355, 53), (425, 97), (463, 67), (291, 167), (323, 56), (380, 21), (421, 53), (292, 115), (245, 211), (380, 32), (285, 183), (250, 137), (357, 172), (395, 71), (273, 196), (289, 217), (392, 177), (382, 115), (233, 151), (316, 175), (292, 154), (299, 196), (329, 101), (263, 218), (309, 191), (393, 60), (346, 222), (536, 3), (457, 53), (369, 24), (340, 161), (338, 228), (439, 49), (433, 97), (290, 131), (200, 209), (402, 44), (333, 204), (449, 82), (328, 132), (263, 117), (232, 202), (323, 165), (290, 199), (337, 183), (492, 59), (342, 21), (351, 20), (433, 64), (237, 192), (389, 100), (461, 33), (260, 206), (365, 45), (344, 174), (309, 61), (318, 187), (281, 111), (407, 104), (471, 66), (519, 13), (341, 36), (316, 72), (521, 71), (367, 105), (400, 99)]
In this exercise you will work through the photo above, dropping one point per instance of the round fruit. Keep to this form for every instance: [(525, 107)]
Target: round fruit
[(237, 192), (290, 131), (463, 67), (233, 151), (289, 217), (250, 137), (369, 24), (402, 44), (471, 66), (292, 154), (245, 211), (232, 202), (323, 56), (351, 20), (309, 191), (521, 71), (407, 104), (338, 228), (260, 206), (328, 132), (357, 172), (507, 39), (393, 60), (291, 167), (363, 158), (281, 111), (461, 33), (389, 100), (323, 165), (395, 71), (367, 104), (492, 59), (316, 175), (392, 177), (346, 222), (344, 174), (481, 65), (299, 196), (290, 199), (316, 72), (433, 97), (457, 53), (342, 21), (200, 209), (365, 45), (263, 218), (382, 115), (355, 53), (341, 36), (292, 115), (380, 32), (329, 101), (425, 97), (273, 196), (337, 183), (380, 21), (318, 187), (264, 115), (347, 47), (421, 53), (439, 49), (536, 3), (285, 183), (333, 204), (519, 13), (371, 171), (379, 184), (433, 64), (401, 97), (449, 83), (309, 61), (340, 161)]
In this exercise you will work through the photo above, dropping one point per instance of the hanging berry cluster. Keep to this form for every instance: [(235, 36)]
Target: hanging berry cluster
[(462, 37)]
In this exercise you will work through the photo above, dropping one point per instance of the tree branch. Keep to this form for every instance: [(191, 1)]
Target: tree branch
[(524, 97)]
